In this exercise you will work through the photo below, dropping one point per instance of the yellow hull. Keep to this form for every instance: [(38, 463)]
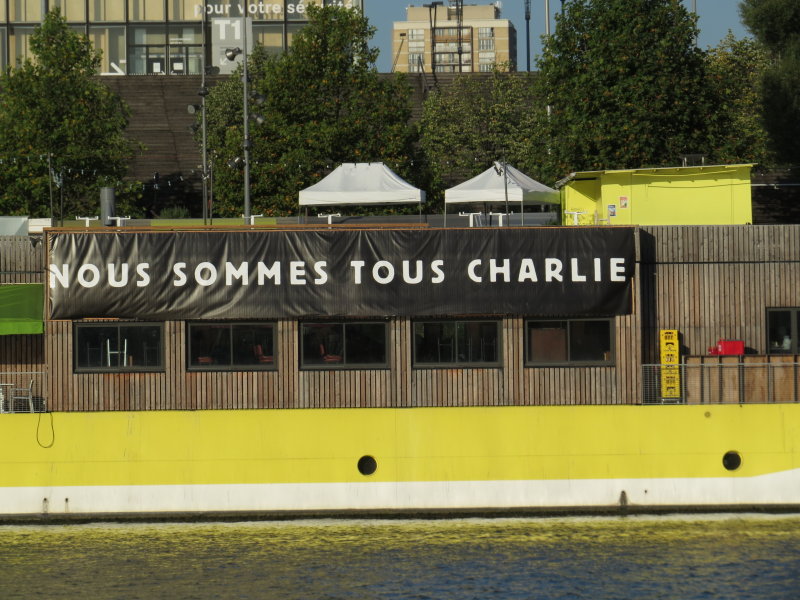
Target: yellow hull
[(427, 459)]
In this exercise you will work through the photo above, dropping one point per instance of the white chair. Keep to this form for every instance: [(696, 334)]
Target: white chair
[(22, 394), (117, 352)]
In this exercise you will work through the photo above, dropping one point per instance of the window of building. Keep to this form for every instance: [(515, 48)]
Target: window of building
[(349, 344), (575, 341), (185, 49), (416, 34), (185, 10), (111, 41), (456, 343), (231, 346), (25, 11), (416, 47), (71, 10), (118, 347), (416, 63), (148, 51), (486, 68), (19, 46), (485, 44), (292, 30), (269, 36), (485, 32), (782, 330), (106, 10), (146, 10), (3, 56)]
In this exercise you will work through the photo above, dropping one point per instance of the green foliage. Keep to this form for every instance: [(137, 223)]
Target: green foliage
[(625, 84), (324, 104), (736, 68), (54, 115), (477, 120), (776, 24)]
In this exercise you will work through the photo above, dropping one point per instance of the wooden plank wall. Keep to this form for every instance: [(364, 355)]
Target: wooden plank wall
[(716, 282), (21, 261), (288, 386)]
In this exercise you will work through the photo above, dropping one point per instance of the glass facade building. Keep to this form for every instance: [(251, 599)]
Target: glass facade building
[(153, 37)]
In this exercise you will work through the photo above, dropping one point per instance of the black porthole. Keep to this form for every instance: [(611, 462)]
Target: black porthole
[(367, 465), (732, 460)]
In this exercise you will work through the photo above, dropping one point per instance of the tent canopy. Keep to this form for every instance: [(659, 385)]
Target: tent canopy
[(361, 184), (489, 186)]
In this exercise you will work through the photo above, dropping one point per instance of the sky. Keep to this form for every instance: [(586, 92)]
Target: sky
[(716, 18)]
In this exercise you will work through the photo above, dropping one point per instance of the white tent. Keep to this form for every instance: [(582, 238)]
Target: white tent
[(361, 184), (490, 187)]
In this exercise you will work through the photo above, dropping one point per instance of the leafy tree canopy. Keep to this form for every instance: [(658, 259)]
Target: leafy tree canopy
[(480, 119), (776, 24), (59, 126), (323, 104), (625, 84), (736, 68)]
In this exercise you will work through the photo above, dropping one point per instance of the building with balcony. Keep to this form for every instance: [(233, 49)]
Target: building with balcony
[(457, 38)]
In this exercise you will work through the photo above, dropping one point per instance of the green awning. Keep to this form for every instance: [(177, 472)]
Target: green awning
[(21, 308)]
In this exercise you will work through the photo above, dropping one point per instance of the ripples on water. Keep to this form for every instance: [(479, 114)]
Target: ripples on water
[(730, 557)]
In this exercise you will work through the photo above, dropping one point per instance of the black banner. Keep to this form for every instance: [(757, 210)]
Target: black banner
[(269, 274)]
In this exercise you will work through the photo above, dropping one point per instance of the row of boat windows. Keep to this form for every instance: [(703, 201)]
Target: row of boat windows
[(231, 346)]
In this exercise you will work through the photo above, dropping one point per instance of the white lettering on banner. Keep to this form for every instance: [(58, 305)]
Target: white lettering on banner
[(231, 273), (258, 8), (617, 269), (383, 272), (144, 276), (112, 280), (297, 273), (265, 273), (178, 268), (322, 276), (212, 274)]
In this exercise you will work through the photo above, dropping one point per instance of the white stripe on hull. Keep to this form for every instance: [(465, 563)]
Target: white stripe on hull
[(778, 489)]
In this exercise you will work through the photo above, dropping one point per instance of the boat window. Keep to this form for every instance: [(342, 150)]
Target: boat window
[(231, 346), (118, 347), (456, 343), (782, 330), (569, 342), (332, 345)]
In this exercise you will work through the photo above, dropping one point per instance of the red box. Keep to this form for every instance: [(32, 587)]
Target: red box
[(727, 348)]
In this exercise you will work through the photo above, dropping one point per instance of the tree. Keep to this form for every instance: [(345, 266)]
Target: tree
[(736, 68), (776, 24), (625, 85), (477, 120), (60, 129), (323, 104)]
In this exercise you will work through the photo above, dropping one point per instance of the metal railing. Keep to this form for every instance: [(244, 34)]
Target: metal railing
[(735, 383), (23, 391)]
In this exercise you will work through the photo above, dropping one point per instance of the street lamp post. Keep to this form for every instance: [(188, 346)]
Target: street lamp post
[(231, 55)]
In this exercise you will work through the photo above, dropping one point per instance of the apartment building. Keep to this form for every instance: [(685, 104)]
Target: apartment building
[(457, 38)]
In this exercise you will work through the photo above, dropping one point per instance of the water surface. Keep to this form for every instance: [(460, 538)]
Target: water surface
[(673, 557)]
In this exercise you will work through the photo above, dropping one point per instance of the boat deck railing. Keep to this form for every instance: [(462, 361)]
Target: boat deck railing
[(23, 391), (735, 383)]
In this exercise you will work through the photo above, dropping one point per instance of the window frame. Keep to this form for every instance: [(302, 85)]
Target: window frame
[(232, 366), (794, 321), (456, 363), (124, 368), (343, 364), (609, 362)]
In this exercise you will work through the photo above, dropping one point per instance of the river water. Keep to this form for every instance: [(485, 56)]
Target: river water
[(644, 557)]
